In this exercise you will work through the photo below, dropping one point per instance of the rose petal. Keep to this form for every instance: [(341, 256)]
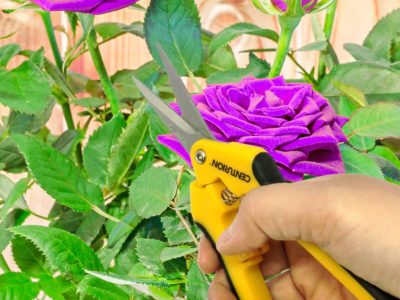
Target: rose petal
[(223, 117), (171, 142), (264, 120), (287, 158), (268, 142), (283, 131)]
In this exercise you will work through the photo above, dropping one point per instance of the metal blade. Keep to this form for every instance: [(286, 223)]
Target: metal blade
[(186, 134), (190, 113)]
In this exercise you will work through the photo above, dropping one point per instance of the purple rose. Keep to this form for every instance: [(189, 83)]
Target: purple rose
[(293, 123), (85, 6)]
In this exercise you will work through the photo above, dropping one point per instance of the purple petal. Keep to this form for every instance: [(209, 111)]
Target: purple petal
[(264, 120), (170, 141), (283, 131), (86, 6), (287, 158), (323, 138), (289, 175), (223, 117), (268, 142)]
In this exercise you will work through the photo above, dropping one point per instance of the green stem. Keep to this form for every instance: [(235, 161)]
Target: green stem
[(195, 82), (306, 74), (102, 213), (101, 70), (3, 264), (328, 28), (288, 26), (46, 17)]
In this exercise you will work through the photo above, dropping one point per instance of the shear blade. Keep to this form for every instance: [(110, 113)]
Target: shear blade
[(188, 108), (183, 130)]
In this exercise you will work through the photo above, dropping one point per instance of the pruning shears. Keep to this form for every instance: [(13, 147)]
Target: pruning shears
[(224, 173)]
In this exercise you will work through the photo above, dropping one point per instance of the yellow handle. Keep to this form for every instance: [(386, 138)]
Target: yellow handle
[(220, 166), (214, 217)]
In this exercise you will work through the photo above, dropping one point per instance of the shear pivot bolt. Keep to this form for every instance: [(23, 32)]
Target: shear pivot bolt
[(200, 157)]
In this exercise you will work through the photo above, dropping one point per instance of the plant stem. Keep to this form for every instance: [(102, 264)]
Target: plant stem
[(101, 70), (328, 28), (195, 82), (57, 57), (40, 216), (105, 215), (3, 264), (66, 109), (179, 214), (46, 17), (306, 74), (288, 26)]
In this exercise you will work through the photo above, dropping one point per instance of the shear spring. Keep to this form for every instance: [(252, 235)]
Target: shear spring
[(228, 197)]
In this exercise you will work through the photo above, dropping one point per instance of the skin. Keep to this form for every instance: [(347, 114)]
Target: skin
[(353, 218)]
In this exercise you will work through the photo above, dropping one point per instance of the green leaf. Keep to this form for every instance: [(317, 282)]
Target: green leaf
[(149, 199), (121, 231), (175, 232), (359, 163), (90, 102), (55, 288), (365, 54), (170, 253), (130, 143), (89, 227), (388, 162), (11, 158), (145, 163), (197, 284), (351, 92), (13, 218), (58, 176), (15, 197), (387, 154), (66, 252), (257, 67), (375, 81), (221, 60), (139, 284), (378, 121), (111, 30), (28, 258), (361, 143), (315, 46), (346, 107), (17, 286), (21, 123), (389, 170), (100, 289), (157, 128), (175, 25), (234, 31), (25, 89), (97, 152), (7, 52), (380, 38), (149, 253), (124, 86), (67, 141)]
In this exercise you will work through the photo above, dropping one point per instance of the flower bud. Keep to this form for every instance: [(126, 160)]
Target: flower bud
[(280, 7)]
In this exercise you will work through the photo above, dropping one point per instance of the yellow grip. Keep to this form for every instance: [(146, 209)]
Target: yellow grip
[(214, 217), (219, 166)]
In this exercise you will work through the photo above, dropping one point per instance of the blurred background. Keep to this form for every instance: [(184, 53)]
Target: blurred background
[(354, 20)]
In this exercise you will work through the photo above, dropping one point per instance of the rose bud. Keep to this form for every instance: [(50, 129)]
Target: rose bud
[(280, 7)]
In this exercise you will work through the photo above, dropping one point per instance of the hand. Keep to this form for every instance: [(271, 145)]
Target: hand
[(353, 218)]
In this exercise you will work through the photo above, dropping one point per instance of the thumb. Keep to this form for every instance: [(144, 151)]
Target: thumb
[(281, 212)]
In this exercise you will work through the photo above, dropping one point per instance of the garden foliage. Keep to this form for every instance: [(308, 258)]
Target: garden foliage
[(121, 227)]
